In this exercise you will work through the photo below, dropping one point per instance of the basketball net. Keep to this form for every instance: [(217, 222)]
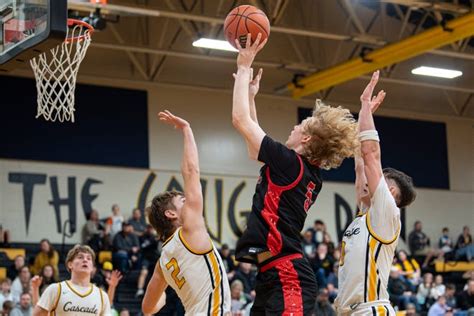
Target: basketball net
[(56, 72)]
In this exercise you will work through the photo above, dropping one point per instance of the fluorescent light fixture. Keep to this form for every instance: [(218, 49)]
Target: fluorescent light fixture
[(214, 44), (436, 72)]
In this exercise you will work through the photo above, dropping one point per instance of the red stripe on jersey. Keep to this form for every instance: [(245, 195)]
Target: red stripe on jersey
[(270, 209), (290, 284)]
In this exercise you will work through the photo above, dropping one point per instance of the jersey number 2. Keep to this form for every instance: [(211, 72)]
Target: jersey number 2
[(309, 195), (174, 264)]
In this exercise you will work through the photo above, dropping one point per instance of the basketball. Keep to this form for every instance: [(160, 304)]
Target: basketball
[(243, 20)]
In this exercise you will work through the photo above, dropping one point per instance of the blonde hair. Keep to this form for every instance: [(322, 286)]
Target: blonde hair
[(333, 134), (76, 250)]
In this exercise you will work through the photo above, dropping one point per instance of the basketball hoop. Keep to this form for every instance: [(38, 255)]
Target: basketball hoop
[(56, 73)]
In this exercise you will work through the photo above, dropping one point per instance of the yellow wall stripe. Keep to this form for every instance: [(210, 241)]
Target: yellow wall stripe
[(372, 270), (217, 278)]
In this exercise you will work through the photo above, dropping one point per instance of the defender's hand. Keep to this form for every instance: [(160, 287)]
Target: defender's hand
[(369, 101), (168, 118)]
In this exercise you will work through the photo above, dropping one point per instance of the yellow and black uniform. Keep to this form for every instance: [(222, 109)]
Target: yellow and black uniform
[(199, 278), (368, 248), (409, 266)]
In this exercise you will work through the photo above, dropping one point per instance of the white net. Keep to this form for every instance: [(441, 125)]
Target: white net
[(56, 72)]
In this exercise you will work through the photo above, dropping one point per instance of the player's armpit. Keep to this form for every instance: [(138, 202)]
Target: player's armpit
[(383, 218), (155, 291)]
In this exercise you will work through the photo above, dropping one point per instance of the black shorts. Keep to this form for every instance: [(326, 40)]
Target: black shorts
[(285, 286)]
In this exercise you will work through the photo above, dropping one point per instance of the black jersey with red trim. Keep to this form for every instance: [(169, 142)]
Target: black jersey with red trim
[(287, 187)]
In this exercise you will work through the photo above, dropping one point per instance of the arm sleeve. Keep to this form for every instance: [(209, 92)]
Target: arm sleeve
[(49, 297), (383, 218), (283, 162)]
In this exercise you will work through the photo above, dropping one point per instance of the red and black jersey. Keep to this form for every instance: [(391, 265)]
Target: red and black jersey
[(287, 187)]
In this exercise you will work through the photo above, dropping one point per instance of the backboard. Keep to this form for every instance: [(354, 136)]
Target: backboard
[(29, 28)]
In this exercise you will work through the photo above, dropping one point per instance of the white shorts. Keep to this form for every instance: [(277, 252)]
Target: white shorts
[(379, 308)]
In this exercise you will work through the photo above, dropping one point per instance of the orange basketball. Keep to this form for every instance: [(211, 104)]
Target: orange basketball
[(243, 20)]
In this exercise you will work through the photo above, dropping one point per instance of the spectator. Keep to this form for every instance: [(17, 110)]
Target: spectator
[(464, 245), (150, 254), (99, 275), (323, 306), (327, 240), (108, 279), (322, 264), (47, 275), (248, 277), (126, 248), (332, 282), (21, 284), (228, 260), (411, 310), (409, 268), (94, 233), (124, 312), (309, 247), (7, 307), (24, 308), (318, 230), (425, 295), (239, 299), (114, 223), (445, 243), (399, 291), (5, 293), (439, 308), (419, 244), (450, 295), (466, 298), (14, 270), (4, 237), (137, 222), (47, 255), (439, 288)]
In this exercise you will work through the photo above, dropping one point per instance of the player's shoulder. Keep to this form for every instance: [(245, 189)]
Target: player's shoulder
[(57, 286)]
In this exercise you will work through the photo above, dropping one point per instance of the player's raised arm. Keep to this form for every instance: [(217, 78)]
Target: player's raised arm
[(194, 228), (241, 109), (362, 190), (155, 296), (254, 86), (189, 163), (370, 147)]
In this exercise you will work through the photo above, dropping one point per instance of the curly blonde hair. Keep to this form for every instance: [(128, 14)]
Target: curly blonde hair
[(333, 134)]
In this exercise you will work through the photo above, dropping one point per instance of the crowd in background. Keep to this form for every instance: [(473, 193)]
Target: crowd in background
[(412, 286)]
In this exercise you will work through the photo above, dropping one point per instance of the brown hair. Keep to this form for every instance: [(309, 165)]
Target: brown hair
[(76, 250), (51, 248), (333, 134), (404, 184), (156, 213)]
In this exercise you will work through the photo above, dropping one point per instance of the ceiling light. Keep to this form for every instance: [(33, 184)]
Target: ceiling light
[(436, 72), (214, 44)]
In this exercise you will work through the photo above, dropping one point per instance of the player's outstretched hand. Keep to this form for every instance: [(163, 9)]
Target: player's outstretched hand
[(247, 54), (168, 118), (114, 278), (367, 99), (254, 84), (36, 282)]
